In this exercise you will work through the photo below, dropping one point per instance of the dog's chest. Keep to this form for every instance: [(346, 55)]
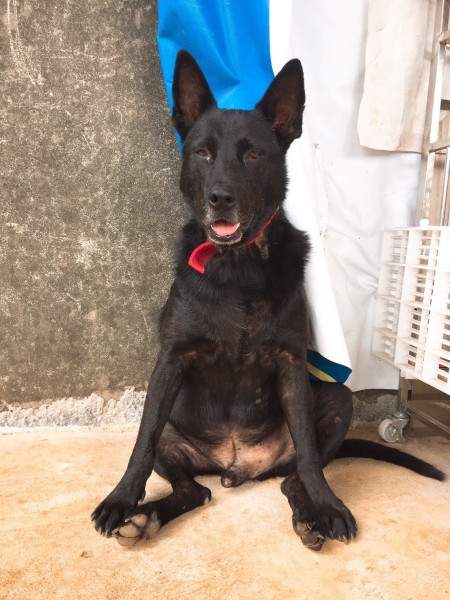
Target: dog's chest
[(241, 327)]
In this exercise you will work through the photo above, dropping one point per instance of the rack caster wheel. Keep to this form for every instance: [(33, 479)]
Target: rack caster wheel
[(390, 430)]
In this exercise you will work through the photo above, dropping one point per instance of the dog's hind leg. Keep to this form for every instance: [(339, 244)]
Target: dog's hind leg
[(332, 411), (177, 461)]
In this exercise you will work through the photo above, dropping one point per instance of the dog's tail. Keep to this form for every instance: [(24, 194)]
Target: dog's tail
[(367, 449)]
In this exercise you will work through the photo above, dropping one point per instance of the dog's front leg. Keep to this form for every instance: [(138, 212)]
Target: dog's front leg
[(164, 386), (313, 502)]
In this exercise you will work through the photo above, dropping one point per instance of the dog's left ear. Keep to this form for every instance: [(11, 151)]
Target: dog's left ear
[(190, 92), (284, 102)]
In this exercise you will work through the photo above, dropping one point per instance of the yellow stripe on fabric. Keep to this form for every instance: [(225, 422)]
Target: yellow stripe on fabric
[(319, 374)]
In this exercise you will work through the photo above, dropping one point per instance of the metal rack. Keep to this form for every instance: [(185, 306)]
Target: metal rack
[(433, 202), (413, 312)]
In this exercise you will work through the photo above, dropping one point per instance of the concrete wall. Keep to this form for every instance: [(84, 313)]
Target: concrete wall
[(89, 210), (89, 196)]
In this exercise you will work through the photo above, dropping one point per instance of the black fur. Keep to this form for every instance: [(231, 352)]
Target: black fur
[(368, 449), (230, 393)]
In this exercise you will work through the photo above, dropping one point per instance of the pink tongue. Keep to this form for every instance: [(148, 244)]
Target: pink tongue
[(224, 227)]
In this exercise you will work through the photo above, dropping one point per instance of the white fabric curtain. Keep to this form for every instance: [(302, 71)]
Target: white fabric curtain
[(355, 192)]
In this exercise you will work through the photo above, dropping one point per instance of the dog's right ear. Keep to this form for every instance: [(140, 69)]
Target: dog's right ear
[(190, 92)]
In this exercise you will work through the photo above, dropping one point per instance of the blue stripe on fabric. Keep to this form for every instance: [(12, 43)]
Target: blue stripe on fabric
[(338, 372), (229, 40)]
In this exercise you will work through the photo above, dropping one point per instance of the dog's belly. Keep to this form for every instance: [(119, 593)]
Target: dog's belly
[(231, 415), (246, 460)]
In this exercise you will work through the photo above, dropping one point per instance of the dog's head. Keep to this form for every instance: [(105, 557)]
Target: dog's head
[(234, 173)]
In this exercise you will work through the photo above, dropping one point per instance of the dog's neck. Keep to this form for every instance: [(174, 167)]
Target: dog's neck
[(203, 253)]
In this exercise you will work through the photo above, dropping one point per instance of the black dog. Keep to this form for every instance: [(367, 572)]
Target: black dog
[(230, 392)]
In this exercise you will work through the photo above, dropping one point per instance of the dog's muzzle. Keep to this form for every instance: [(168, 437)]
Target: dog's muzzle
[(203, 253)]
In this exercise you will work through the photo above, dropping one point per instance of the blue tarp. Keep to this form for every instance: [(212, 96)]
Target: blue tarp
[(228, 39)]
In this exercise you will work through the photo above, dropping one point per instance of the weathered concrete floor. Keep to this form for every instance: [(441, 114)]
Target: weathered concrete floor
[(241, 546)]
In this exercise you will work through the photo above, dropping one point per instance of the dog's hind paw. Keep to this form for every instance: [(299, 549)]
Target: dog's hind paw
[(137, 528), (310, 538)]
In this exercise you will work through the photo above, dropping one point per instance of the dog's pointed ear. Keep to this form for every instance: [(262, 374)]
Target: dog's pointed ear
[(284, 102), (190, 92)]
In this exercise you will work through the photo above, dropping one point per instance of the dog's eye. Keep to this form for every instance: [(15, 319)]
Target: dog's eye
[(202, 153), (253, 154)]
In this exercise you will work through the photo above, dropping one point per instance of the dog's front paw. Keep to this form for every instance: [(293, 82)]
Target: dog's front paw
[(327, 520), (110, 513)]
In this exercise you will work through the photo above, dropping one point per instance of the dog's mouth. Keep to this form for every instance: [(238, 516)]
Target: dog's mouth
[(224, 232), (224, 228)]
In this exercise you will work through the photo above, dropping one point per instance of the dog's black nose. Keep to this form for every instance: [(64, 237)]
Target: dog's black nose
[(221, 198)]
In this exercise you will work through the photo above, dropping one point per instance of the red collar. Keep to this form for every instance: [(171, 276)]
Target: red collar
[(202, 253)]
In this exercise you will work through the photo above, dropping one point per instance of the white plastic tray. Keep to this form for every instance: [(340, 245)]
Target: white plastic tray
[(412, 324)]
